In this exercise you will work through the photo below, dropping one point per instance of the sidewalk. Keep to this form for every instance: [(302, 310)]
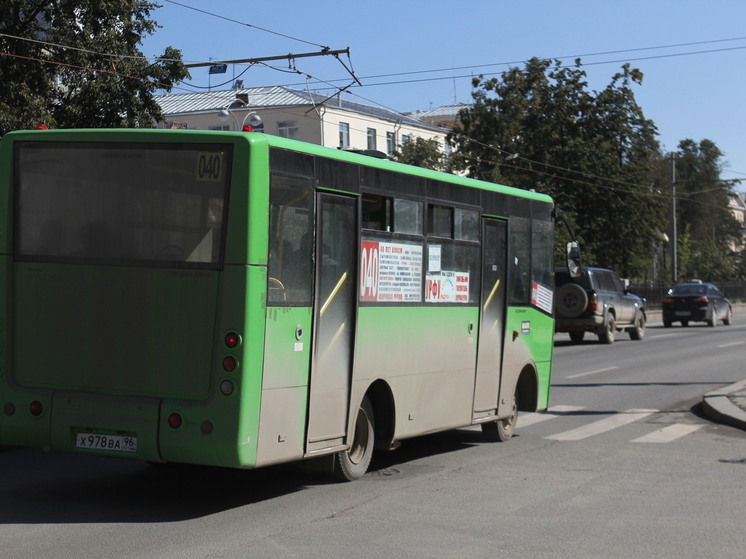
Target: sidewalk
[(727, 405)]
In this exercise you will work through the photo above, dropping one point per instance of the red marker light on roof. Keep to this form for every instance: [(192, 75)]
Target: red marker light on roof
[(246, 128), (42, 127)]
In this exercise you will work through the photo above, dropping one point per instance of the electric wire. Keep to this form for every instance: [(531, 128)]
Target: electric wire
[(247, 24)]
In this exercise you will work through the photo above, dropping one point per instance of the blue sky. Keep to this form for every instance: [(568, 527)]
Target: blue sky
[(695, 90)]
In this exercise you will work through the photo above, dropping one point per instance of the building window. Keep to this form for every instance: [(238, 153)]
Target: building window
[(405, 139), (390, 142), (219, 127), (287, 129), (372, 138), (344, 135)]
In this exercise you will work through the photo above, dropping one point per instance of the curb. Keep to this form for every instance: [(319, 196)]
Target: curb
[(718, 407)]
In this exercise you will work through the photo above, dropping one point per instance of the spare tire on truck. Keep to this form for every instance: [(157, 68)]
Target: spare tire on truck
[(571, 300)]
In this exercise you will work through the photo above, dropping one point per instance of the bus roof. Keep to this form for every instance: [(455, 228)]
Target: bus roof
[(146, 134)]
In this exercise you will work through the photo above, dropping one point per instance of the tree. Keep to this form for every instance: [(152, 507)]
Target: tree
[(707, 231), (76, 63), (422, 153), (540, 127)]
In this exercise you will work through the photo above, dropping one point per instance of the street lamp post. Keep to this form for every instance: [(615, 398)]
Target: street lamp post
[(254, 119)]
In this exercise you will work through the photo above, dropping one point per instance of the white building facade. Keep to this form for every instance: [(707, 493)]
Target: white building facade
[(309, 117)]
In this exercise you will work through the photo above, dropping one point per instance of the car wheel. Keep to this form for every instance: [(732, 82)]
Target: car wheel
[(571, 300), (685, 323), (728, 317), (608, 334), (637, 332), (666, 323), (576, 337), (713, 318)]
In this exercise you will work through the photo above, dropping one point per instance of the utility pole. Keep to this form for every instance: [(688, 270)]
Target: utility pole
[(674, 259)]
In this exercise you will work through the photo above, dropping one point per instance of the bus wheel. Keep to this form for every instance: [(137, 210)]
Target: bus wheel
[(502, 429), (352, 463)]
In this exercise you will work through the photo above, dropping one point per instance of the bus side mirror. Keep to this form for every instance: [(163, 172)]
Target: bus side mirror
[(573, 259)]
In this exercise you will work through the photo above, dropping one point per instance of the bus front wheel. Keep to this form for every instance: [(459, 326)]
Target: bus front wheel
[(351, 464), (502, 429)]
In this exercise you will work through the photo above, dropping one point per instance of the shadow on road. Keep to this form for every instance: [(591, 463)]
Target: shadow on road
[(38, 487)]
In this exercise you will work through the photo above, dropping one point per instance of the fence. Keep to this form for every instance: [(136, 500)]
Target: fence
[(654, 293)]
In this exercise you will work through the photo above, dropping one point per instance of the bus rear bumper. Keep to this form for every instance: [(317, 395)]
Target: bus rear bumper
[(105, 425)]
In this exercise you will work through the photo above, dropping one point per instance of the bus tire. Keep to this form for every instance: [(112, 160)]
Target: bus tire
[(351, 464), (502, 429)]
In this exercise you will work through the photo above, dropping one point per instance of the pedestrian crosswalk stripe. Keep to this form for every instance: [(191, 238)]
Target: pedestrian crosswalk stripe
[(603, 425), (551, 413), (669, 433)]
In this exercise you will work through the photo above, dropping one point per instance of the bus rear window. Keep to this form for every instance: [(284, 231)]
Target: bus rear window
[(125, 204)]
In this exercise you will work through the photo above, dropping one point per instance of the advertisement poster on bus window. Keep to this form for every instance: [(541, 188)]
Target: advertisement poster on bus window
[(541, 297), (447, 287), (390, 272)]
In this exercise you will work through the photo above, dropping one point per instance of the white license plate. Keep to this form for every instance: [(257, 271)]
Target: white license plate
[(117, 443), (683, 313)]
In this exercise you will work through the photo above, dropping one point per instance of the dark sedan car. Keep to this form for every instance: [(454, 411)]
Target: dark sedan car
[(696, 302)]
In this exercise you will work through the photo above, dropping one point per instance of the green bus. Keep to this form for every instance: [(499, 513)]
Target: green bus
[(242, 300)]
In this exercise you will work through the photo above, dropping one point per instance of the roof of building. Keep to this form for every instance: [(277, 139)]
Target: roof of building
[(438, 112), (272, 97)]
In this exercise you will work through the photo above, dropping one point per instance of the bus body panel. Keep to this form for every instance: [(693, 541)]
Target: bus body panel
[(287, 354), (114, 330), (427, 355), (222, 429), (528, 343)]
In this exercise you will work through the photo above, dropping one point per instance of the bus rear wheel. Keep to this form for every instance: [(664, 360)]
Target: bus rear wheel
[(502, 429), (351, 464)]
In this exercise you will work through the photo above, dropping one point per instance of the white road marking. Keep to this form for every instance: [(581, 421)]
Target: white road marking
[(592, 372), (669, 433), (603, 425), (551, 413), (731, 344)]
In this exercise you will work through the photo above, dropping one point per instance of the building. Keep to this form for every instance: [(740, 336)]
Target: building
[(446, 116), (309, 117)]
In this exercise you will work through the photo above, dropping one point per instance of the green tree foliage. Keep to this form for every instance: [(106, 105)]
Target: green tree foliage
[(76, 63), (540, 127), (707, 231), (422, 153)]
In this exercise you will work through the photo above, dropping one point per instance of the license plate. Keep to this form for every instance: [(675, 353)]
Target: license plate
[(117, 443), (683, 313)]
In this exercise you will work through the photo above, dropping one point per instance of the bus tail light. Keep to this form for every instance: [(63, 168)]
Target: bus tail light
[(36, 408), (229, 364), (232, 340), (175, 420)]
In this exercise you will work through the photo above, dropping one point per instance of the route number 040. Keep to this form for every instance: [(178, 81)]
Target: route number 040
[(209, 166)]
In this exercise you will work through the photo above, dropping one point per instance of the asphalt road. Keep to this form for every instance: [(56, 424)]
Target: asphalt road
[(623, 465)]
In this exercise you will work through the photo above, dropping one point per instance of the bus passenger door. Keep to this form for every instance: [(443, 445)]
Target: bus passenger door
[(334, 319), (492, 318)]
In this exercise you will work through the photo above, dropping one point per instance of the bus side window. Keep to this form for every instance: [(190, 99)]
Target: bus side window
[(291, 240), (520, 260)]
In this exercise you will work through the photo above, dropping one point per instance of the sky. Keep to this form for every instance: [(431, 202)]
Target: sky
[(420, 54)]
